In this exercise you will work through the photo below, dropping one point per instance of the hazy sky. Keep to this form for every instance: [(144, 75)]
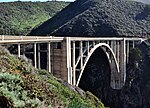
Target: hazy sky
[(30, 0)]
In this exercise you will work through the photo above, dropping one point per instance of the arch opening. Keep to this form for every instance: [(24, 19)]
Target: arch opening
[(114, 66), (96, 76)]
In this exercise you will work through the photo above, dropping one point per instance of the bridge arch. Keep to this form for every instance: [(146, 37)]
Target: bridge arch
[(100, 45)]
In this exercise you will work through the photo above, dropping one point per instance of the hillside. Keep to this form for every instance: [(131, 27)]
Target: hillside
[(99, 18), (21, 17), (23, 86)]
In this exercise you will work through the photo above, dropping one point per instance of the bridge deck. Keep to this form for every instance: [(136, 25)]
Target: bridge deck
[(31, 39), (103, 38), (4, 39)]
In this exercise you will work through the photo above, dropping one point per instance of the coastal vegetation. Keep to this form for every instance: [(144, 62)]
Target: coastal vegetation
[(20, 17), (22, 85)]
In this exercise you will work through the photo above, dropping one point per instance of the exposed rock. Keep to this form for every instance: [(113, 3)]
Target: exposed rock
[(99, 18), (73, 88), (80, 91)]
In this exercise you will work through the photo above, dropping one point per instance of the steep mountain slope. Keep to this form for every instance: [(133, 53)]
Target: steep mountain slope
[(23, 86), (99, 18), (21, 17)]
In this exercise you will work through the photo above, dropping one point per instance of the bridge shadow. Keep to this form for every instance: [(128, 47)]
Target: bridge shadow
[(96, 78)]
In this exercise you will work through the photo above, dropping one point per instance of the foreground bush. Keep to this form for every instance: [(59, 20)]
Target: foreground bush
[(21, 85)]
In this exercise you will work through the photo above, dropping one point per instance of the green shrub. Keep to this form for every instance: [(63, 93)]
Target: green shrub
[(12, 87), (76, 103), (21, 85)]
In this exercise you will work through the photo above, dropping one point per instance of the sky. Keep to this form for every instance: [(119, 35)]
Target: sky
[(31, 0)]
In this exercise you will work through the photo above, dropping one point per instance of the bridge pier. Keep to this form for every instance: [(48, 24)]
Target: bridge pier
[(59, 60)]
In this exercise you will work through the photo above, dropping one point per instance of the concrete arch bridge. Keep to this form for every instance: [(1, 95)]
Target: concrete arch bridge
[(67, 57)]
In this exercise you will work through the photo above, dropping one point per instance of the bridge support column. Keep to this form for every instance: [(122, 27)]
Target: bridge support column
[(19, 50), (88, 47), (114, 74), (133, 44), (123, 63), (93, 43), (128, 49), (35, 56), (69, 68), (73, 64), (81, 54), (49, 57), (113, 46), (39, 57), (118, 51)]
